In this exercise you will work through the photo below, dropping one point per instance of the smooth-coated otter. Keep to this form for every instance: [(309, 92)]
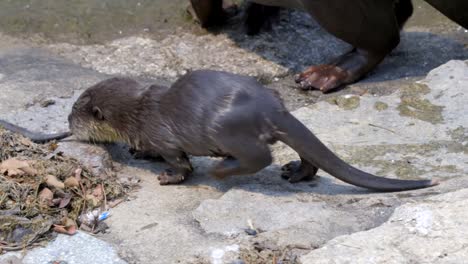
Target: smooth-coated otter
[(211, 113), (372, 27), (34, 136)]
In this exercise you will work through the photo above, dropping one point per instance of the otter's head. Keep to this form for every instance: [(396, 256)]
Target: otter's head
[(107, 111)]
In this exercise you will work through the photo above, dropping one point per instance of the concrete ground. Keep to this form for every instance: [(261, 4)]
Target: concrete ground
[(406, 120)]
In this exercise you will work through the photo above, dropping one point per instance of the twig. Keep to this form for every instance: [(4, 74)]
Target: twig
[(389, 130), (105, 198), (344, 245)]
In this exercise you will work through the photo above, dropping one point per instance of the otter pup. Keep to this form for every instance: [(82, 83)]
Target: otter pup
[(211, 113), (34, 136)]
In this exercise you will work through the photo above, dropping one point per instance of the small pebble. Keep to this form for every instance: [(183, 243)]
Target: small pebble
[(251, 232), (238, 261), (47, 102)]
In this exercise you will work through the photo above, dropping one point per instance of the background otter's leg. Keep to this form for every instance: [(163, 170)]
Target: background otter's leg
[(372, 27), (207, 12), (180, 168), (457, 10), (212, 12), (296, 171), (246, 156), (258, 17)]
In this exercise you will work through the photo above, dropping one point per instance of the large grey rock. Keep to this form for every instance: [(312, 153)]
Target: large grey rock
[(271, 211), (76, 249), (431, 231), (29, 76)]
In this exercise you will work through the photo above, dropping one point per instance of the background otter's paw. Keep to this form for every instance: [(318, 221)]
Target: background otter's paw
[(323, 77)]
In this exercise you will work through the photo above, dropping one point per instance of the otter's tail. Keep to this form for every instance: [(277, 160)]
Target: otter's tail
[(301, 139), (35, 137)]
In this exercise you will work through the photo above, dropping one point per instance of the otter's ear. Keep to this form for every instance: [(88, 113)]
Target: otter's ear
[(98, 113)]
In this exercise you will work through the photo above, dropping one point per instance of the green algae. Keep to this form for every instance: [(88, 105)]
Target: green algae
[(345, 102), (413, 105), (380, 106)]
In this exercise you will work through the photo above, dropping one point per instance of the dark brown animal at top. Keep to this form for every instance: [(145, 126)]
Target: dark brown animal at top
[(211, 113), (371, 26)]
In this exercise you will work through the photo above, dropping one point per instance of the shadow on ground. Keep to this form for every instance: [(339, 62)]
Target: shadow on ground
[(297, 42), (267, 181)]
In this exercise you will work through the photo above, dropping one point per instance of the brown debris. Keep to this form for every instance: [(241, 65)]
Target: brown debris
[(71, 182), (14, 167), (43, 190), (46, 196), (268, 252), (53, 182)]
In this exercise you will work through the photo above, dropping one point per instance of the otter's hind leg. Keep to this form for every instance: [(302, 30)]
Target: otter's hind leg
[(180, 168), (247, 156), (296, 171), (212, 12), (258, 17)]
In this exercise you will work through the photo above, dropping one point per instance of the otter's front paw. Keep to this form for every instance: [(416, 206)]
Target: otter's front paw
[(168, 177), (323, 77)]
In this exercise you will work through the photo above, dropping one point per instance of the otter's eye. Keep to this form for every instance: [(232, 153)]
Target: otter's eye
[(98, 113)]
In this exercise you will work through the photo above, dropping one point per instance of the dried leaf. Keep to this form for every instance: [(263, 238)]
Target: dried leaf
[(26, 142), (78, 174), (52, 181), (71, 230), (53, 146), (46, 196), (65, 201), (71, 182), (67, 222), (15, 167), (114, 203), (97, 192), (92, 200)]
